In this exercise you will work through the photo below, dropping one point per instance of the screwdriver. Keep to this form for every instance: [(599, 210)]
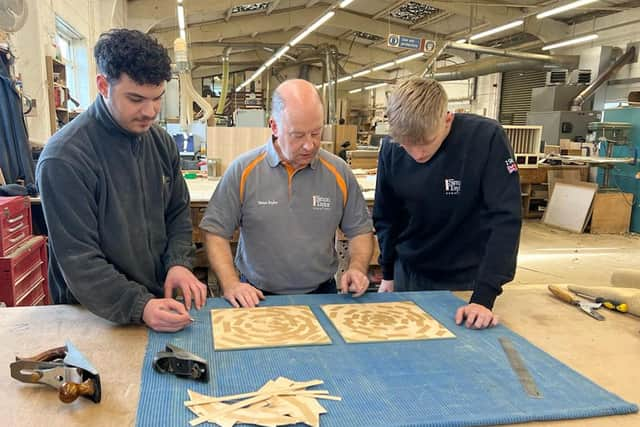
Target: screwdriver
[(611, 305)]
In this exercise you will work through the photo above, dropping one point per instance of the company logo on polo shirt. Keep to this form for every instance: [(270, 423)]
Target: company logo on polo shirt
[(452, 186), (320, 202)]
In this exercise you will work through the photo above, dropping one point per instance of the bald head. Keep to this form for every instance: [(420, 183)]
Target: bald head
[(296, 122), (294, 95)]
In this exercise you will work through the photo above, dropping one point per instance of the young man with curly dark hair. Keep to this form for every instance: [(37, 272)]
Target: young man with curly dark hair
[(115, 202)]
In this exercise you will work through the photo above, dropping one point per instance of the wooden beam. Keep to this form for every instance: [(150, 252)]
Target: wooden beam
[(274, 4)]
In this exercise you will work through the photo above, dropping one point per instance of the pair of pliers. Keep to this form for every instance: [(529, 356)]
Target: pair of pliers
[(587, 307)]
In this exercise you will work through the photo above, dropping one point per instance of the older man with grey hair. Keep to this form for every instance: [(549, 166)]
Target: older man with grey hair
[(288, 198)]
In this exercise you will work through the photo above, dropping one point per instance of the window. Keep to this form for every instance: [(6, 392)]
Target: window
[(72, 47)]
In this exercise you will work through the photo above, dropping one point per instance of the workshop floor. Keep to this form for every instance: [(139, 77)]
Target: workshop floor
[(548, 255)]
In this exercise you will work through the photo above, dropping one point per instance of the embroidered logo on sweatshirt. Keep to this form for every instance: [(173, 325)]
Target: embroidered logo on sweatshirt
[(452, 186), (511, 165), (320, 202)]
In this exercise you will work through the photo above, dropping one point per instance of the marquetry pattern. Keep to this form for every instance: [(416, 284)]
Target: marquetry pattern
[(280, 326), (388, 321)]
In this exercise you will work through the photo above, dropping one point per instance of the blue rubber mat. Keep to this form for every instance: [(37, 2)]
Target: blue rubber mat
[(465, 381)]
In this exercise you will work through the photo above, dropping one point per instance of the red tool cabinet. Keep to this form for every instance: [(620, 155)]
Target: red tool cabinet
[(23, 257), (15, 223)]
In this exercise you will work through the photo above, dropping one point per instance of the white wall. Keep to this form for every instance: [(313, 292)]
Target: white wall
[(35, 41)]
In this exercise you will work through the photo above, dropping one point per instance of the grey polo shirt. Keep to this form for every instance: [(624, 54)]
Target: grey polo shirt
[(287, 219)]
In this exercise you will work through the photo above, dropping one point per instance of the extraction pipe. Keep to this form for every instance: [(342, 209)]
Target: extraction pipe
[(225, 80), (568, 59), (579, 100), (523, 61), (489, 66)]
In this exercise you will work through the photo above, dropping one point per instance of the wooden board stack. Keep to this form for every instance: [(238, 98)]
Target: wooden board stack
[(278, 402)]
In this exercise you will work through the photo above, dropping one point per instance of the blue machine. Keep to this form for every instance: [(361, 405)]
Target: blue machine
[(624, 176)]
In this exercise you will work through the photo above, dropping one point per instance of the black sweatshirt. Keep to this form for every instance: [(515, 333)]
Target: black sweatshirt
[(457, 217), (117, 210)]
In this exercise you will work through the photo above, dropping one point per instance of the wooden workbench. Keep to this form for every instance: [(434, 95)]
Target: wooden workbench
[(606, 352)]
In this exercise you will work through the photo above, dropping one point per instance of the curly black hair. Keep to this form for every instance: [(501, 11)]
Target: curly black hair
[(134, 53)]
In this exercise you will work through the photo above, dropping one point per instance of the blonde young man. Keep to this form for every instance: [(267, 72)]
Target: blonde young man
[(447, 209), (288, 197)]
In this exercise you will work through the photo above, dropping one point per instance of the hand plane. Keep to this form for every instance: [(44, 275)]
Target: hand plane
[(181, 363), (63, 368)]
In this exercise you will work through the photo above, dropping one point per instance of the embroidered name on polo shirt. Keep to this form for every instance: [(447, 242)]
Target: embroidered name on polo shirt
[(452, 186), (267, 202), (319, 202)]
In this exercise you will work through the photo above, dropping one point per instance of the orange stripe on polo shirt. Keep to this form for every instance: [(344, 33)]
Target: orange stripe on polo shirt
[(339, 180), (245, 173)]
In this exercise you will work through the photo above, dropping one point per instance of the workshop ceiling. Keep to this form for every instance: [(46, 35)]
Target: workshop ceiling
[(254, 30)]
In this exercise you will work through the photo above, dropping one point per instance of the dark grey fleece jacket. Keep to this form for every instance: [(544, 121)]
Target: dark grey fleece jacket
[(117, 211)]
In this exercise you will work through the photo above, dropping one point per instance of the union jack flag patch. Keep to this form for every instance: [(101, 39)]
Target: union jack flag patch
[(511, 166)]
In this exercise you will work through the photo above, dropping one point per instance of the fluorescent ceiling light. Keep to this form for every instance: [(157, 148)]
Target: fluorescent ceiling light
[(560, 9), (355, 90), (183, 34), (270, 61), (383, 66), (344, 79), (497, 29), (570, 42), (180, 17), (375, 86), (361, 73), (409, 58), (461, 41), (282, 51), (345, 3), (312, 27)]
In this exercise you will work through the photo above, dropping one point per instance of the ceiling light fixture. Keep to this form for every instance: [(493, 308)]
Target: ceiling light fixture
[(180, 17), (312, 28), (570, 42), (355, 90), (409, 58), (375, 86), (344, 79), (461, 41), (330, 13), (383, 66), (361, 73), (497, 29), (560, 9)]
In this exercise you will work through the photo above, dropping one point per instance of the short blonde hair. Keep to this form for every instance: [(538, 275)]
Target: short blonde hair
[(416, 109)]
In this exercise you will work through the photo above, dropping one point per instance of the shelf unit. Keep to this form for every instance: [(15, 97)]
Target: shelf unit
[(59, 114)]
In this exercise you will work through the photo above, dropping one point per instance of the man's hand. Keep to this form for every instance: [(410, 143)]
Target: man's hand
[(241, 294), (478, 316), (386, 286), (165, 315), (181, 278), (354, 281)]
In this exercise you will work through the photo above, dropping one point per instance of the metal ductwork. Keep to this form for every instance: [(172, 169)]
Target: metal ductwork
[(570, 61), (627, 57), (523, 61), (486, 66)]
